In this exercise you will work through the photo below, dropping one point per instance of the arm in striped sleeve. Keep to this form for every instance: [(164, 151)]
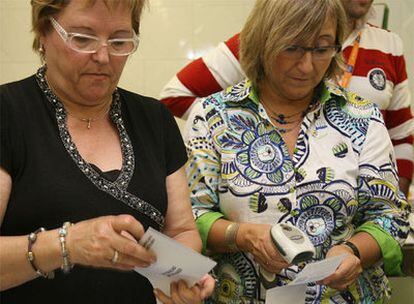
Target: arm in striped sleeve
[(204, 76)]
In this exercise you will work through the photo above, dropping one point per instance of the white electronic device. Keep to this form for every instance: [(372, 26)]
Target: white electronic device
[(294, 246), (292, 243)]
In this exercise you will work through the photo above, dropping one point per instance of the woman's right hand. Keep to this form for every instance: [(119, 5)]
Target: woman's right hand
[(256, 239), (94, 243), (181, 293)]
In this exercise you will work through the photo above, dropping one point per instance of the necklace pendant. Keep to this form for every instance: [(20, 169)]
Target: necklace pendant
[(89, 123), (281, 121)]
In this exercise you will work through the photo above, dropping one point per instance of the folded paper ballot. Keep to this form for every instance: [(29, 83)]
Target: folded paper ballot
[(174, 262), (318, 271), (295, 291)]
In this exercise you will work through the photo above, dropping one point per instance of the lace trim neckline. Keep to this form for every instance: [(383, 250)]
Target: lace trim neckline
[(117, 188)]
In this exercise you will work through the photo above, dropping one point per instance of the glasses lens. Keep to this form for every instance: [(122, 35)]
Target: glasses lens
[(122, 47), (294, 52), (83, 43), (323, 53), (89, 44)]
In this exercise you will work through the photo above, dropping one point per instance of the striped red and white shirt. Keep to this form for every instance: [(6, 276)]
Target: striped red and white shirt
[(379, 75)]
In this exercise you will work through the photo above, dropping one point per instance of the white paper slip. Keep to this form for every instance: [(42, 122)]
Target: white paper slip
[(289, 294), (317, 271), (174, 262), (295, 292)]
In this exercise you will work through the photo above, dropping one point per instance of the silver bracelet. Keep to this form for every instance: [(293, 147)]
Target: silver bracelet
[(63, 232), (31, 256), (230, 236)]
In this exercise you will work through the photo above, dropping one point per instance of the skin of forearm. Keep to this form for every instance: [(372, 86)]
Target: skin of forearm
[(15, 268), (189, 238), (368, 248), (215, 239)]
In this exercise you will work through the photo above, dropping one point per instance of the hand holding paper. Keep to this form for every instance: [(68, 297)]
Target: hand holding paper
[(295, 291), (174, 262), (317, 271), (347, 272), (181, 293)]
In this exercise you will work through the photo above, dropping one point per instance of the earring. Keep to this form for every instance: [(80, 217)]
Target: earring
[(42, 54)]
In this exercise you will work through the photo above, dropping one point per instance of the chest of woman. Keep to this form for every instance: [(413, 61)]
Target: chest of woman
[(53, 183), (260, 181)]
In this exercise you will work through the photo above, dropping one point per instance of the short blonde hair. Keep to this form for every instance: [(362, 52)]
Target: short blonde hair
[(42, 10), (275, 24)]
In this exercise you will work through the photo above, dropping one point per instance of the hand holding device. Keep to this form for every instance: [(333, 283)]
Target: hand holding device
[(292, 244)]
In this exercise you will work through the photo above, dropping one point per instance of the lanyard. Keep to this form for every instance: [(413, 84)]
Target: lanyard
[(351, 62)]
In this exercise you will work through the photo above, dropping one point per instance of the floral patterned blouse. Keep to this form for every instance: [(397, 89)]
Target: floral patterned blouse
[(340, 180)]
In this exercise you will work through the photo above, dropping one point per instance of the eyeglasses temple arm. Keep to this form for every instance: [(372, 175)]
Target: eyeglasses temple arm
[(59, 29)]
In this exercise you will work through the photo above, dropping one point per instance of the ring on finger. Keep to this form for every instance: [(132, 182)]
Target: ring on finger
[(115, 258)]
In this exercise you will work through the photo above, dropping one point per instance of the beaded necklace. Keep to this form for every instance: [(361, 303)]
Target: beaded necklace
[(288, 123)]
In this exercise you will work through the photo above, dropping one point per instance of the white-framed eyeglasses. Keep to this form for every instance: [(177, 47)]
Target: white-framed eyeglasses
[(296, 52), (90, 44)]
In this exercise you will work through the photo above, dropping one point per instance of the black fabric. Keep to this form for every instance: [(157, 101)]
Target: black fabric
[(49, 189), (111, 175)]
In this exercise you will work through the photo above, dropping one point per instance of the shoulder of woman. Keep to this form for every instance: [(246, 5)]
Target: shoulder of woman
[(348, 100), (19, 94), (344, 107), (16, 88)]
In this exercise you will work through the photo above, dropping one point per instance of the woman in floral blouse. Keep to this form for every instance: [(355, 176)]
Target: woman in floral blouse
[(285, 145)]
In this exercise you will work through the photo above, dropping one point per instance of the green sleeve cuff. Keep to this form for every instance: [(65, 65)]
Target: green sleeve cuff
[(204, 224), (390, 249)]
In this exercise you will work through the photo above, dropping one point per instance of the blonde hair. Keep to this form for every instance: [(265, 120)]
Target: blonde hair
[(274, 24), (42, 10)]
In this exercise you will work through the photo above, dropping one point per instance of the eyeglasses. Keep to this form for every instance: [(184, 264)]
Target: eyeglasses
[(89, 44), (296, 52)]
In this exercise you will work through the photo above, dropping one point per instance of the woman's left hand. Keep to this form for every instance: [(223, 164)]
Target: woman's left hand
[(182, 294), (347, 272)]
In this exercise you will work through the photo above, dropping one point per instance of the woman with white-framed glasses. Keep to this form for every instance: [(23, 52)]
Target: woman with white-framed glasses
[(87, 167)]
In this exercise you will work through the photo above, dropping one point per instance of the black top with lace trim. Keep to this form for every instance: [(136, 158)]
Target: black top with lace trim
[(52, 184)]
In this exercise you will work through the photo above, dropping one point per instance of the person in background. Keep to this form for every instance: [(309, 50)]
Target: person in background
[(285, 145), (75, 148), (378, 73)]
